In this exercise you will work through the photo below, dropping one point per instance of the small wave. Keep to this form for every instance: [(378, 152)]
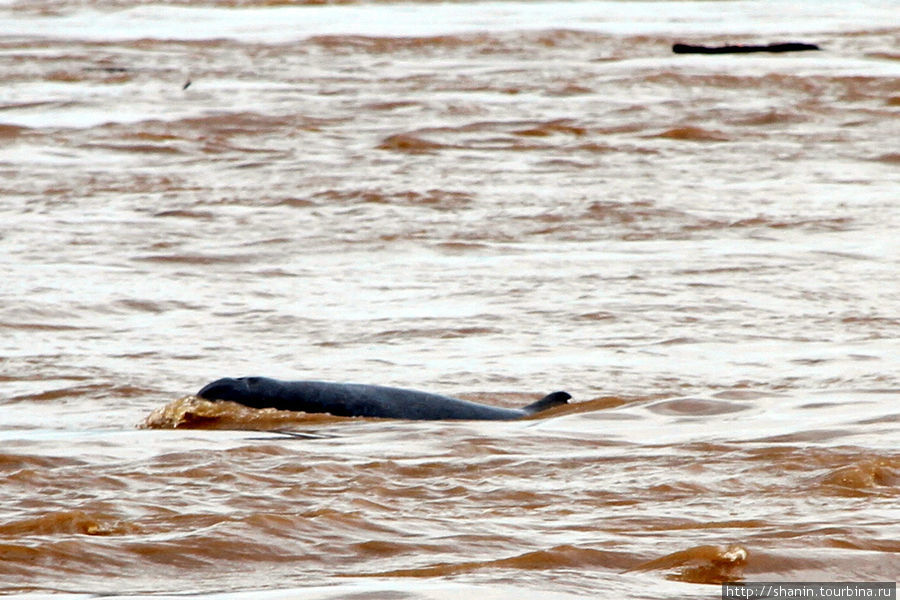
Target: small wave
[(624, 212), (149, 306), (825, 224), (563, 126), (434, 198), (461, 247), (871, 560), (34, 326), (197, 259), (892, 158), (75, 521), (134, 148), (517, 135), (691, 133), (383, 45), (815, 224), (701, 564), (407, 142), (293, 202), (442, 333), (191, 412), (871, 474), (16, 462), (11, 131), (469, 42), (599, 316), (203, 215), (79, 391), (770, 117), (696, 407), (395, 105), (387, 549), (209, 134), (600, 148), (109, 75), (647, 220), (12, 553), (559, 557), (238, 123)]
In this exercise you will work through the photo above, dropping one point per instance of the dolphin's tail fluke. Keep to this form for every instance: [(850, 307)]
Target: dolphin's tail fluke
[(554, 399)]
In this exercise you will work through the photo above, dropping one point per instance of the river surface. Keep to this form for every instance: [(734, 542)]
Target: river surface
[(485, 200)]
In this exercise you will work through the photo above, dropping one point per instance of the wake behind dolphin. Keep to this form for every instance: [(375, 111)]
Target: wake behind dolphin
[(361, 400)]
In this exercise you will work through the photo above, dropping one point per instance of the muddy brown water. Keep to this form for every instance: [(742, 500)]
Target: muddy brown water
[(486, 200)]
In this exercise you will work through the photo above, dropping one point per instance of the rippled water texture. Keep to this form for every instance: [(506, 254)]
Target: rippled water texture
[(485, 200)]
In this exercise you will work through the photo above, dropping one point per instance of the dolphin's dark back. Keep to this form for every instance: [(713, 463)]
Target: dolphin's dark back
[(361, 400), (354, 399)]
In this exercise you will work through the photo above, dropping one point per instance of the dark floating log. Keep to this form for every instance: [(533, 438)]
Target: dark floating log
[(740, 49)]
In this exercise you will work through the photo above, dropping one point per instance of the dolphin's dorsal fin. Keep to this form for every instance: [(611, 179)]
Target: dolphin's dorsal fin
[(549, 401)]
